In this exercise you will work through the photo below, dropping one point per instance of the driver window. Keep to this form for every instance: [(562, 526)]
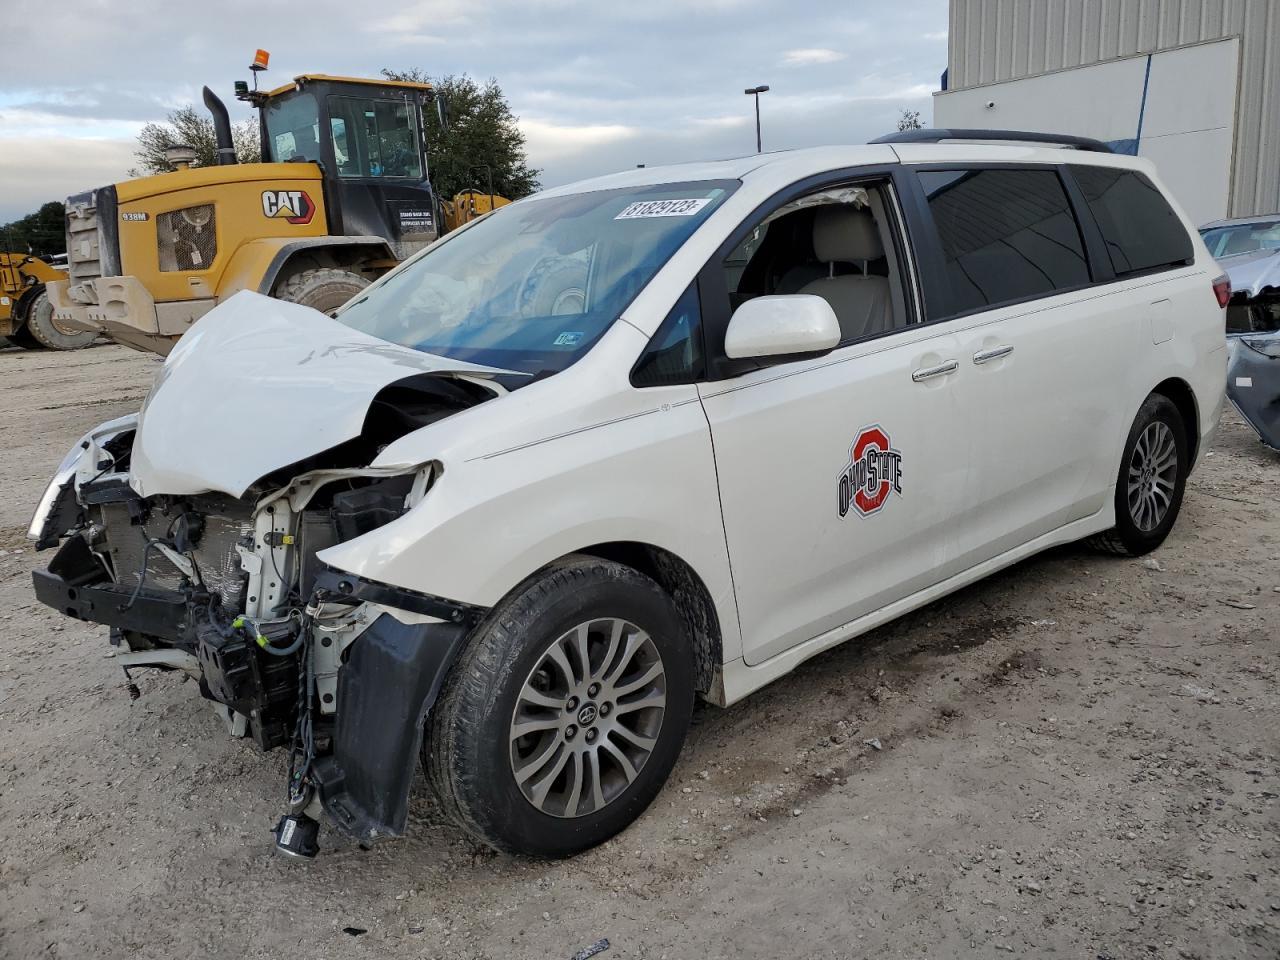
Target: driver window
[(835, 244)]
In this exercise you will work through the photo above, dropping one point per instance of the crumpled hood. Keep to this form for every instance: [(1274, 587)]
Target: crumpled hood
[(257, 384), (1252, 272)]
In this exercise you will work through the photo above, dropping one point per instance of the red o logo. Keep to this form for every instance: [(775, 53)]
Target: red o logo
[(873, 473)]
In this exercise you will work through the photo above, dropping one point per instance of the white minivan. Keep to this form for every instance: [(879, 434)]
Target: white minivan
[(658, 435)]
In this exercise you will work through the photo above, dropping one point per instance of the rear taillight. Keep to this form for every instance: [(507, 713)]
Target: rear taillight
[(1222, 289)]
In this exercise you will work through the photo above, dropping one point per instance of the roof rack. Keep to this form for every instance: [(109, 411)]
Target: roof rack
[(1026, 136)]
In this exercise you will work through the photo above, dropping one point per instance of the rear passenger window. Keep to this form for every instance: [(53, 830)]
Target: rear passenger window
[(1006, 235), (1139, 227)]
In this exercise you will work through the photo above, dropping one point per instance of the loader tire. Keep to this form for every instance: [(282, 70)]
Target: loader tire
[(324, 289), (48, 332), (22, 338)]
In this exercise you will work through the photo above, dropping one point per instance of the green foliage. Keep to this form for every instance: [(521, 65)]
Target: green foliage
[(42, 233), (910, 120), (482, 134), (193, 128)]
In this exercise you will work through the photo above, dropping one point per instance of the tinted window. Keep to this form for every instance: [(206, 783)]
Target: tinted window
[(1140, 229), (1006, 234), (674, 355)]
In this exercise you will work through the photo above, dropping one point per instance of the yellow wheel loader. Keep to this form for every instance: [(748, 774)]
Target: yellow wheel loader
[(341, 197), (26, 316)]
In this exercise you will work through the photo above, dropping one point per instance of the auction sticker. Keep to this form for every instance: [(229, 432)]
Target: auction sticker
[(662, 208)]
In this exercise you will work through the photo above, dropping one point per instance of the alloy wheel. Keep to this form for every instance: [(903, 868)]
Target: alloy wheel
[(1153, 475), (587, 718)]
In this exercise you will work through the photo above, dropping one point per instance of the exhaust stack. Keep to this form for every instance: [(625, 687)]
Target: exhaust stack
[(221, 127)]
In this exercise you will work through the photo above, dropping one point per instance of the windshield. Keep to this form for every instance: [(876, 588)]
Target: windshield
[(534, 285), (1234, 239), (293, 128)]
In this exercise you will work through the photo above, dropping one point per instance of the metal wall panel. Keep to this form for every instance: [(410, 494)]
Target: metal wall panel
[(997, 40)]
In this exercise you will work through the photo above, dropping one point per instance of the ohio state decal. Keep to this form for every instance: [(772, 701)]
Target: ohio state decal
[(874, 473)]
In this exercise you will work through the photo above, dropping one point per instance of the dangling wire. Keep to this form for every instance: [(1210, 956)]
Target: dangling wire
[(303, 750)]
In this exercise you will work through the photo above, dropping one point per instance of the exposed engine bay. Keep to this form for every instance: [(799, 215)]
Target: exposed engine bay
[(230, 590)]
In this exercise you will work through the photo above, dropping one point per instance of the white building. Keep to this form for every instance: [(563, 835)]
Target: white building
[(1194, 85)]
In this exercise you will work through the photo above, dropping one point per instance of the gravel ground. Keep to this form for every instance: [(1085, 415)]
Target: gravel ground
[(1079, 757)]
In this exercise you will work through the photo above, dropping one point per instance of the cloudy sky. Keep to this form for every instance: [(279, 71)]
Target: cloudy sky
[(598, 86)]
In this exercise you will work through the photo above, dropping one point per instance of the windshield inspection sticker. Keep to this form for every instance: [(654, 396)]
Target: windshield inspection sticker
[(567, 340), (662, 208)]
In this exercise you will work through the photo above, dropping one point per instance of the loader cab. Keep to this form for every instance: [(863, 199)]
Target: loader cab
[(367, 138)]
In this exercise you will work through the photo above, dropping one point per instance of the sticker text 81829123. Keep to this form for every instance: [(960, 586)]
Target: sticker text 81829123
[(662, 208)]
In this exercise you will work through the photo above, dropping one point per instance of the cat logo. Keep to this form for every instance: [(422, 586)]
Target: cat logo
[(291, 205)]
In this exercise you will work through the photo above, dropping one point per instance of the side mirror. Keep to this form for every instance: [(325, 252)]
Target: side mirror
[(795, 323), (442, 112)]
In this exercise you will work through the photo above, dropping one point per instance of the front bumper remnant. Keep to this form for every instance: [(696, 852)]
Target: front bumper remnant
[(385, 690), (74, 585)]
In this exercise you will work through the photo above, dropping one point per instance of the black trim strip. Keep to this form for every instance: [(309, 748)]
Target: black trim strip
[(337, 586)]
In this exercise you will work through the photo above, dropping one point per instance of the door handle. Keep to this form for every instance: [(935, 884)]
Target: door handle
[(941, 370), (995, 353)]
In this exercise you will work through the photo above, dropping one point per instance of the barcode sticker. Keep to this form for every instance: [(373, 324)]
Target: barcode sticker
[(662, 208)]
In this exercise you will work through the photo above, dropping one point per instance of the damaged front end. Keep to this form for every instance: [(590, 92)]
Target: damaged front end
[(1253, 342), (230, 587)]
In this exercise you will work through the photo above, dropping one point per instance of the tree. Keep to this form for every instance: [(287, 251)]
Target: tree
[(910, 120), (42, 233), (482, 134), (193, 128)]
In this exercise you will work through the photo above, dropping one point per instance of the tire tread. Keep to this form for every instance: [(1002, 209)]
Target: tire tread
[(476, 678)]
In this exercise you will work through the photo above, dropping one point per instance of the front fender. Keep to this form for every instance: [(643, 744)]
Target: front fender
[(256, 265), (57, 507), (489, 522)]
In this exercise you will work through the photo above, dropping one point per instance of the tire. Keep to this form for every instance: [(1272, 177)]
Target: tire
[(555, 288), (22, 338), (507, 675), (47, 332), (1156, 462), (324, 289)]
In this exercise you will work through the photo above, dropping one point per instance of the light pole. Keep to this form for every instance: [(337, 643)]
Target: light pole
[(755, 92)]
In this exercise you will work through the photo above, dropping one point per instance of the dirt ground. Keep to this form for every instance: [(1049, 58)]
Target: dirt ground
[(1079, 757)]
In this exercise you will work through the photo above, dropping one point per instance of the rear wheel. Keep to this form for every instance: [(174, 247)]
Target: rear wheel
[(51, 333), (324, 289), (564, 715), (1153, 475)]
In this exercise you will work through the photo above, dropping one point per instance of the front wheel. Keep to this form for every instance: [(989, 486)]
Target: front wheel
[(324, 289), (49, 332), (1153, 475), (565, 714)]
